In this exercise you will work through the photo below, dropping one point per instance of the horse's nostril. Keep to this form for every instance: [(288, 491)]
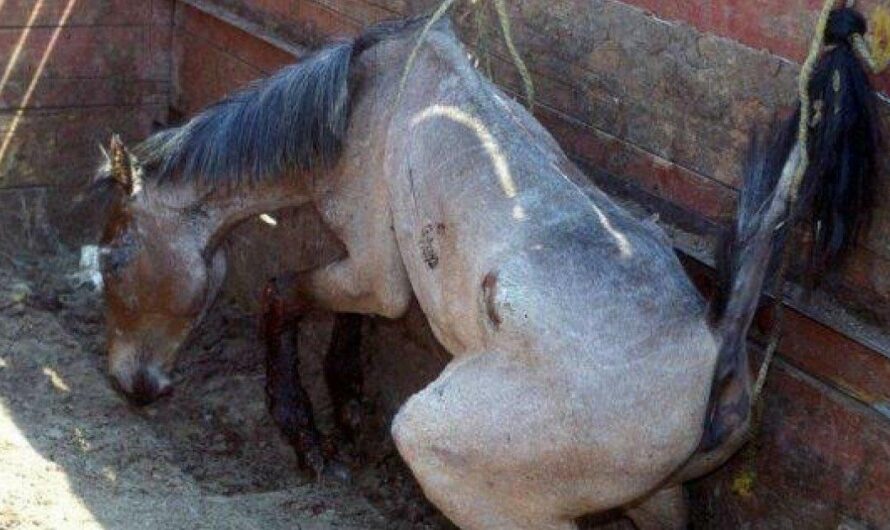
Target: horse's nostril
[(165, 388), (148, 387)]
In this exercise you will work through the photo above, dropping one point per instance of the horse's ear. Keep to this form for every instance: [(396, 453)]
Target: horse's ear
[(125, 169)]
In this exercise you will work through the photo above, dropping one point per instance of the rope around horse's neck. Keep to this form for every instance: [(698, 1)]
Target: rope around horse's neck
[(803, 131)]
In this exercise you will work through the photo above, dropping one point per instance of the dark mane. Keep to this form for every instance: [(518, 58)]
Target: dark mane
[(294, 120)]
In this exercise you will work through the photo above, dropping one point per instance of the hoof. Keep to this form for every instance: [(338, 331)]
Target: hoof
[(338, 472), (350, 418), (314, 462)]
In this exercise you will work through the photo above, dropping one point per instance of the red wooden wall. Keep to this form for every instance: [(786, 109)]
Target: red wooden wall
[(71, 72), (656, 99)]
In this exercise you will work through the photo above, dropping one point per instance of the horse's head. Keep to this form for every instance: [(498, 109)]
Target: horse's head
[(157, 279)]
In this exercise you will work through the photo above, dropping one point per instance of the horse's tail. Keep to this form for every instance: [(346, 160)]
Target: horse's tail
[(841, 147), (747, 261)]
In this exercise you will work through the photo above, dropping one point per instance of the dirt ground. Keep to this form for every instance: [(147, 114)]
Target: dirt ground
[(73, 454)]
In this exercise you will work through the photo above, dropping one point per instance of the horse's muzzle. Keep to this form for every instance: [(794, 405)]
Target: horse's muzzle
[(146, 387)]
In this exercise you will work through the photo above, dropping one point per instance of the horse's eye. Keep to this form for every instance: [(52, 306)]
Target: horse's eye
[(116, 257)]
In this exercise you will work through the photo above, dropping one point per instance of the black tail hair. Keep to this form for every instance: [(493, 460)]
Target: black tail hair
[(837, 192), (834, 197)]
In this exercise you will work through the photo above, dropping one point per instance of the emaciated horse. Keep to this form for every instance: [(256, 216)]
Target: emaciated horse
[(583, 357)]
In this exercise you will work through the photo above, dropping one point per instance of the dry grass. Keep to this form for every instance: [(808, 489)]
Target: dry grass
[(879, 36)]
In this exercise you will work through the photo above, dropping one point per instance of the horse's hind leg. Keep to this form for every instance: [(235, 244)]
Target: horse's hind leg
[(482, 441), (666, 510), (288, 401), (343, 372)]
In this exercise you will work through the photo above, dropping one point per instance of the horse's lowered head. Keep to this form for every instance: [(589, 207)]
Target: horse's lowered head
[(157, 279), (178, 193)]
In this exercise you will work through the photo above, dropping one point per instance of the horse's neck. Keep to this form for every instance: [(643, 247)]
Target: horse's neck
[(215, 213)]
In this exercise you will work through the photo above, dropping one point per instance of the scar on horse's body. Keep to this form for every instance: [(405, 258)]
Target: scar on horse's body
[(583, 356)]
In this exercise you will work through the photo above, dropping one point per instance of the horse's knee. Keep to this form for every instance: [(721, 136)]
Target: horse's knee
[(420, 437)]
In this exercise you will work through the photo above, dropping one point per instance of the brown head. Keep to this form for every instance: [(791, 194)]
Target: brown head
[(235, 159), (157, 280)]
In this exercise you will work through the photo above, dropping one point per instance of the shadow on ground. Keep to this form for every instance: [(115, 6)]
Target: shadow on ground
[(73, 454)]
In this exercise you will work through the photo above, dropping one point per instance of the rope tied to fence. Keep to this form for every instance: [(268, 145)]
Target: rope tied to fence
[(503, 17)]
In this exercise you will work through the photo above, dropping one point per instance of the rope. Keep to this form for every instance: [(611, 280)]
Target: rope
[(501, 8), (803, 90), (409, 64), (504, 20)]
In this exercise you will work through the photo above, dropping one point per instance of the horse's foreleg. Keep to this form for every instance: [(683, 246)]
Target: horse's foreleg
[(288, 401), (343, 372), (332, 288)]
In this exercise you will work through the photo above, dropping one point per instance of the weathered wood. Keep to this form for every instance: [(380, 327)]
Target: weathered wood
[(59, 147), (116, 51), (214, 58), (818, 460), (217, 15), (21, 13), (71, 73), (783, 28)]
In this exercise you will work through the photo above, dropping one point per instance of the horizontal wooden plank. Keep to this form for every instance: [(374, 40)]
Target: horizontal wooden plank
[(687, 97), (223, 21), (309, 23), (60, 147), (61, 93), (834, 358), (207, 74), (48, 13), (214, 58), (841, 361), (85, 66), (77, 52), (783, 28), (652, 173), (361, 11)]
